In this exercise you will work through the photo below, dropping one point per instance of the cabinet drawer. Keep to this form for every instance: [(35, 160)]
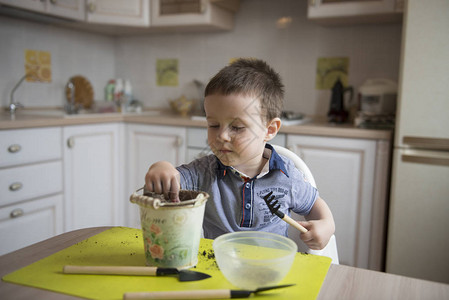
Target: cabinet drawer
[(27, 182), (29, 145), (30, 222)]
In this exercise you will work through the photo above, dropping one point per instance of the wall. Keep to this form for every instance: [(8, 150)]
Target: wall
[(373, 51), (72, 53)]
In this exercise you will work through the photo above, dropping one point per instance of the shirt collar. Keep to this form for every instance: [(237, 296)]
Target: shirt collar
[(275, 163)]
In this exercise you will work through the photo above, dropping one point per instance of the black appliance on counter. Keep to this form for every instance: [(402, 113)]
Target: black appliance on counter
[(337, 112)]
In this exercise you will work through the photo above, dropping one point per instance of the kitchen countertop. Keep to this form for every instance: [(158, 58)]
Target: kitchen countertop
[(341, 282), (36, 118)]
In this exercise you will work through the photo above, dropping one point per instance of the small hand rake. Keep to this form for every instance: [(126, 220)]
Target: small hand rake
[(274, 206)]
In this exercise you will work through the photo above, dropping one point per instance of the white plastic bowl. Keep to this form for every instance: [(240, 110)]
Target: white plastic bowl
[(253, 259)]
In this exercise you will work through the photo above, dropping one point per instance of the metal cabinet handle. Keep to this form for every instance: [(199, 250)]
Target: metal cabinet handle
[(429, 143), (71, 142), (423, 159), (179, 141), (18, 212), (203, 7), (14, 148), (91, 7), (15, 186)]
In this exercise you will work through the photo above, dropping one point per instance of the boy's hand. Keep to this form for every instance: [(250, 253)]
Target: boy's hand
[(163, 178), (320, 224), (318, 235)]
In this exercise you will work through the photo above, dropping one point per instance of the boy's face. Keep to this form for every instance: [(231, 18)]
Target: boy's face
[(236, 132)]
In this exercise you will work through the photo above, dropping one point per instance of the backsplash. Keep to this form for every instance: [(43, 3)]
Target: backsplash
[(373, 51), (72, 53)]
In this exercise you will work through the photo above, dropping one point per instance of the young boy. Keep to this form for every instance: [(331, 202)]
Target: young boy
[(243, 104)]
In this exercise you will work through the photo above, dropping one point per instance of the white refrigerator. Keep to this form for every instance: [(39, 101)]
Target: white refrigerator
[(418, 227)]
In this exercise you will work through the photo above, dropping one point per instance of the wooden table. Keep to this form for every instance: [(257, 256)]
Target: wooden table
[(342, 282)]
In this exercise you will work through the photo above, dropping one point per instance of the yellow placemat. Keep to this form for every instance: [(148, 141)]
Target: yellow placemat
[(124, 246)]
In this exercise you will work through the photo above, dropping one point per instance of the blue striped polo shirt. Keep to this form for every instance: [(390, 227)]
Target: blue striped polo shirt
[(236, 202)]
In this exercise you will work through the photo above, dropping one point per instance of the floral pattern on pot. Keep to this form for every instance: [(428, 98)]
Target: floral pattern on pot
[(171, 236)]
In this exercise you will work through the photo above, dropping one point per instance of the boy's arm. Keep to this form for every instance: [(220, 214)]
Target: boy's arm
[(320, 224), (163, 178)]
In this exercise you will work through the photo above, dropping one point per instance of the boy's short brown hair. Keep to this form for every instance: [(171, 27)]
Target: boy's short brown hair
[(251, 77)]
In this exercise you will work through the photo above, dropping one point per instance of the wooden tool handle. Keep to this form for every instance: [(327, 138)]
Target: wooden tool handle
[(194, 294), (294, 224), (110, 270)]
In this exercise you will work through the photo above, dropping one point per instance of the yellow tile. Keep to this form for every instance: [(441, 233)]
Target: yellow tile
[(38, 65)]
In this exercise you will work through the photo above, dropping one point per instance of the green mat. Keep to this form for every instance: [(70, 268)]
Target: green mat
[(124, 246)]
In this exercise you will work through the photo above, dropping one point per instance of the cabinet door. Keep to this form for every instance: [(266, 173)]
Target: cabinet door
[(335, 12), (30, 222), (332, 8), (148, 144), (119, 12), (197, 145), (344, 172), (34, 5), (73, 9), (92, 182), (190, 13), (418, 223), (28, 146), (30, 181)]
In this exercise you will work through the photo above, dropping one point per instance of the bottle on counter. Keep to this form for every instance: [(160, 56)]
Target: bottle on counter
[(118, 93), (109, 91), (128, 92)]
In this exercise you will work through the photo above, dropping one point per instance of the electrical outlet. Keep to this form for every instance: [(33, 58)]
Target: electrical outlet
[(38, 65)]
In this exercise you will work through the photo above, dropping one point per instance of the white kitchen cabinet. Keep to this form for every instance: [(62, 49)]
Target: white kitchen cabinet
[(29, 146), (30, 186), (192, 13), (119, 12), (33, 5), (352, 177), (196, 143), (112, 12), (93, 176), (71, 9), (26, 182), (147, 144), (26, 223), (128, 16), (355, 11)]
